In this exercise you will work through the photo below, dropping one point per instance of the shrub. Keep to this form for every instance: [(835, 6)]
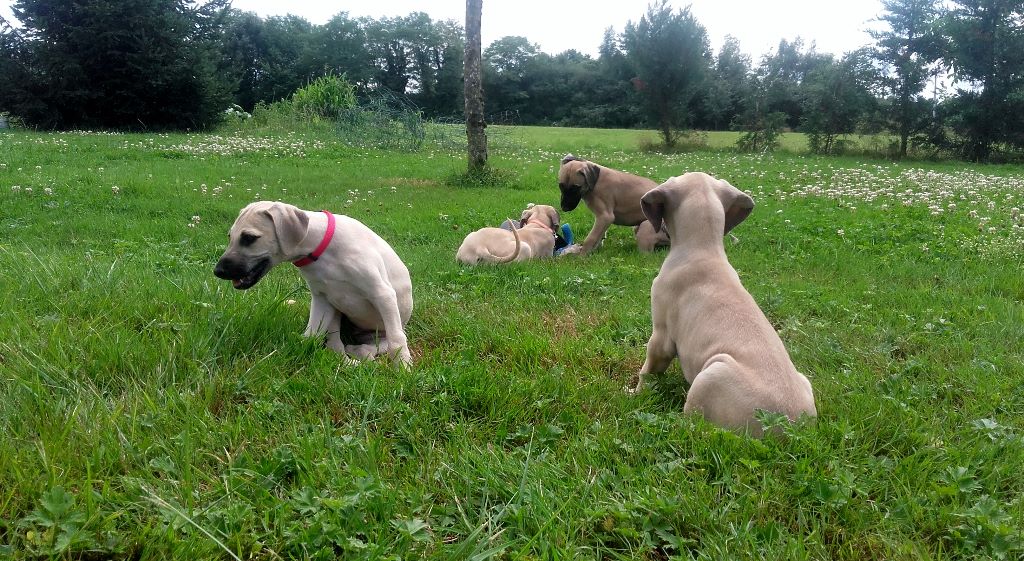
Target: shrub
[(761, 131), (325, 98)]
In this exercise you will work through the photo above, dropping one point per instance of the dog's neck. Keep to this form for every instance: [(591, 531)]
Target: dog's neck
[(696, 234), (314, 235), (540, 224)]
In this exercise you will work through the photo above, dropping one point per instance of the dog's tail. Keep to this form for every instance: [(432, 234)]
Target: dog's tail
[(515, 252)]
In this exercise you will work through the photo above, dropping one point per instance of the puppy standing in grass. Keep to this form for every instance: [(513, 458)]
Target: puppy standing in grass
[(613, 196), (534, 238), (361, 291), (729, 352)]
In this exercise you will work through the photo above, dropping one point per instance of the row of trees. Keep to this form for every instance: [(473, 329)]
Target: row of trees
[(177, 63)]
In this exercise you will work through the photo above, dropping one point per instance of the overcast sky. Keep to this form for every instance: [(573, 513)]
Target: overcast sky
[(559, 25)]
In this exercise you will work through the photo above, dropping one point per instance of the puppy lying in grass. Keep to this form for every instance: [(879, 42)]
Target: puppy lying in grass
[(533, 238)]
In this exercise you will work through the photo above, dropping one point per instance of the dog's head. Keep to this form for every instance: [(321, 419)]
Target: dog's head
[(696, 200), (264, 234), (545, 214), (576, 178)]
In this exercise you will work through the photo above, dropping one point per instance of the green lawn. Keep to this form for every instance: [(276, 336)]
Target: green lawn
[(150, 411)]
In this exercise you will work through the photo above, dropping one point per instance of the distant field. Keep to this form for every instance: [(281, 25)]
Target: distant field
[(150, 411), (632, 139)]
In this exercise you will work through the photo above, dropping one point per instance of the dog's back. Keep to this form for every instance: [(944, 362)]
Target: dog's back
[(493, 246)]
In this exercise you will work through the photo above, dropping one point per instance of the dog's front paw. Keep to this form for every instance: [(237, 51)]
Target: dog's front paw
[(361, 352), (573, 249), (403, 360)]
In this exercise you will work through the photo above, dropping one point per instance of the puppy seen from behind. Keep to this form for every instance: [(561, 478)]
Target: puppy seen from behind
[(730, 354)]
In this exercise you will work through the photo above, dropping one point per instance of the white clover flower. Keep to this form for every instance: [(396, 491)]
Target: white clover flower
[(28, 189), (191, 225), (48, 191), (115, 189), (196, 219), (841, 232), (15, 188)]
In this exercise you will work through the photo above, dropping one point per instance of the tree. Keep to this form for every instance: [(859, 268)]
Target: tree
[(341, 48), (437, 68), (268, 59), (835, 97), (729, 84), (476, 133), (508, 74), (906, 49), (782, 74), (122, 63), (15, 74), (670, 54), (986, 49), (761, 127), (615, 101)]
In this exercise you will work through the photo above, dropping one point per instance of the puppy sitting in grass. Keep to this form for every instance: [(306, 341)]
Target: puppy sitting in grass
[(360, 289), (533, 238), (730, 354)]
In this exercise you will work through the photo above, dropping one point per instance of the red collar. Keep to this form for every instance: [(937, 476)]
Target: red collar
[(543, 225), (312, 257)]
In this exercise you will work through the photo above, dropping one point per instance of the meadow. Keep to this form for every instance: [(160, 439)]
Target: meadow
[(150, 411)]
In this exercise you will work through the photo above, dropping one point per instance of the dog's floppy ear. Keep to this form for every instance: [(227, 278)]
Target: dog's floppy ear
[(591, 172), (556, 220), (290, 225), (653, 205), (737, 204)]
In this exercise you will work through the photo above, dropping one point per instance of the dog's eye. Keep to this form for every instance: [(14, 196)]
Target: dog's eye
[(247, 239)]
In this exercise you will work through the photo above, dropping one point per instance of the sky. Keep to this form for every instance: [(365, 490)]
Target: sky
[(835, 26)]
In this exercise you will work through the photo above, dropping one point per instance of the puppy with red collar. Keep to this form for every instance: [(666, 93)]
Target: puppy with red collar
[(533, 238)]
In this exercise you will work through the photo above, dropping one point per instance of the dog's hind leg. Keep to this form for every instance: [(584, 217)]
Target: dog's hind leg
[(720, 392), (661, 351), (386, 302)]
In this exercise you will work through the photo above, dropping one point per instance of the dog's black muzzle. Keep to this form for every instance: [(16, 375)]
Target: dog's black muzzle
[(570, 198), (241, 275)]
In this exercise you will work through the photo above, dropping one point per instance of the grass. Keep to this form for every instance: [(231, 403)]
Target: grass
[(152, 412)]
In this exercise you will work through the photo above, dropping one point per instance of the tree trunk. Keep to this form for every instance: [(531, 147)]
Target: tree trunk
[(474, 92)]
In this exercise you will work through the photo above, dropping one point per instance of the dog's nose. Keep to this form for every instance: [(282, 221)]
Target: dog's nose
[(222, 270)]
